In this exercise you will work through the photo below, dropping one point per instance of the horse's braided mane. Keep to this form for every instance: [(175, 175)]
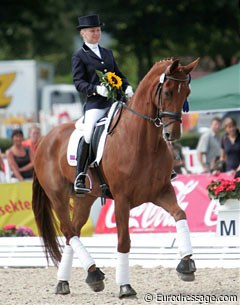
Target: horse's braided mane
[(154, 71), (168, 61), (171, 59), (162, 62)]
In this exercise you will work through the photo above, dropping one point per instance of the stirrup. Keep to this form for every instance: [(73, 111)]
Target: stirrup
[(79, 184)]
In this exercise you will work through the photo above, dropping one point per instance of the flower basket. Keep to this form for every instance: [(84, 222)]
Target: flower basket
[(229, 205), (223, 189), (227, 193), (11, 230)]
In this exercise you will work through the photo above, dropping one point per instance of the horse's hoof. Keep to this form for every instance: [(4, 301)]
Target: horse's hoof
[(126, 291), (186, 269), (62, 288), (186, 277), (95, 280)]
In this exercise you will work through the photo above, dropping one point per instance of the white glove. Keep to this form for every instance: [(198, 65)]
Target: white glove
[(102, 90), (129, 91)]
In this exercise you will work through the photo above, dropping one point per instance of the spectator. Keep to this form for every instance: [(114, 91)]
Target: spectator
[(1, 162), (19, 157), (2, 169), (230, 145), (34, 137), (219, 166), (208, 148)]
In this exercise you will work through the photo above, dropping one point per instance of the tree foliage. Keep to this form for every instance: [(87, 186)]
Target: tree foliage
[(144, 30), (155, 29), (37, 29)]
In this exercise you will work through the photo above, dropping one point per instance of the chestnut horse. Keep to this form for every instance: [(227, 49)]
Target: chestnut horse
[(136, 164)]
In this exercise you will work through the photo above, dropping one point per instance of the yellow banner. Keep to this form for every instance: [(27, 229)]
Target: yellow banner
[(16, 207)]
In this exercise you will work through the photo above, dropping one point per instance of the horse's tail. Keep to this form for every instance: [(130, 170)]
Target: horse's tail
[(46, 221)]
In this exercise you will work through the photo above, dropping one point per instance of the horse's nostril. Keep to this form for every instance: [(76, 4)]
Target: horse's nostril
[(167, 135)]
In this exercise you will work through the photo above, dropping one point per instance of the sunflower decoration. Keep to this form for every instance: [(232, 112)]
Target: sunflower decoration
[(114, 80), (113, 83)]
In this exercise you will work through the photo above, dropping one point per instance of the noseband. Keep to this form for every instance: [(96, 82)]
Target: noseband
[(157, 121)]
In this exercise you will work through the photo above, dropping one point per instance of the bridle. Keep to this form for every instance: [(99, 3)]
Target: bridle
[(157, 121)]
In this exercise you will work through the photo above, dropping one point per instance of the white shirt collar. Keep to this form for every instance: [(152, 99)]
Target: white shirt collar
[(92, 46)]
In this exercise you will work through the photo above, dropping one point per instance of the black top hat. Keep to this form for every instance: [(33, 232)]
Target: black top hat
[(90, 21)]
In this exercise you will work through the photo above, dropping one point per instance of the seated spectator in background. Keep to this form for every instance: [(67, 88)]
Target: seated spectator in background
[(178, 159), (230, 145), (209, 144), (2, 170), (1, 162), (19, 157), (34, 137)]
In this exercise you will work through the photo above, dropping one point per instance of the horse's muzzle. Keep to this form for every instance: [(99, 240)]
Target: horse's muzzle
[(169, 136)]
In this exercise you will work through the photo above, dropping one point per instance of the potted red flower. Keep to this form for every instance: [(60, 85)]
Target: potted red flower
[(10, 230), (227, 192), (223, 189)]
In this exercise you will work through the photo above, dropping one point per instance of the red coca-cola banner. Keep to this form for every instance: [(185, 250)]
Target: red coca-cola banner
[(191, 191)]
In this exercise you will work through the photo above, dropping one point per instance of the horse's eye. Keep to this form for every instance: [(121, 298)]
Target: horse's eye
[(167, 94)]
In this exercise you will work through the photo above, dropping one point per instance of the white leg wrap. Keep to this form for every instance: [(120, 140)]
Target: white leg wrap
[(122, 269), (65, 267), (85, 258), (183, 238)]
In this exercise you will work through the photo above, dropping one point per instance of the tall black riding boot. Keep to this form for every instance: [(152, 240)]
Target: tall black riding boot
[(82, 164)]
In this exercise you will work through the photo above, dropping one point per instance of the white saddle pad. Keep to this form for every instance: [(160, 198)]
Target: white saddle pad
[(73, 142), (78, 133)]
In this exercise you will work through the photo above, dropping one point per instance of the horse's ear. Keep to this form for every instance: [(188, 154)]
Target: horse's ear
[(173, 66), (190, 67)]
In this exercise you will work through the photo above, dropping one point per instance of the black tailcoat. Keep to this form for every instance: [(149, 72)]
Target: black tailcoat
[(84, 65)]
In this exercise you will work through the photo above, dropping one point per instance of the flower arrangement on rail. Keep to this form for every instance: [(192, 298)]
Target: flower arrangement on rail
[(112, 82), (11, 230), (223, 189)]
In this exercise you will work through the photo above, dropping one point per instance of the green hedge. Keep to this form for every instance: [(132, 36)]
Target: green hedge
[(189, 139), (5, 144)]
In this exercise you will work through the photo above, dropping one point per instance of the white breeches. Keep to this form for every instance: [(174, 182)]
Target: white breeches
[(91, 117)]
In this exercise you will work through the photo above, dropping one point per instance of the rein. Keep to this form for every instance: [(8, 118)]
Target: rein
[(157, 121)]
